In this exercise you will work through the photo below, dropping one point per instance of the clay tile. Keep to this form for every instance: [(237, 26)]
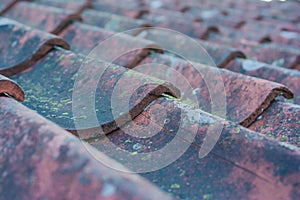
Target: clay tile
[(287, 77), (77, 6), (23, 46), (220, 54), (84, 38), (51, 19), (6, 5), (124, 8), (49, 87), (62, 168), (11, 88), (273, 54), (246, 97), (281, 121), (110, 21), (238, 165), (180, 24)]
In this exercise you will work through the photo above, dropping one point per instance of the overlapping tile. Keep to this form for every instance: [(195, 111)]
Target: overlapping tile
[(178, 24), (125, 8), (241, 165), (246, 97), (51, 19), (280, 121), (23, 46), (110, 21), (40, 160), (11, 88), (289, 78), (52, 97), (220, 54), (77, 6), (122, 49)]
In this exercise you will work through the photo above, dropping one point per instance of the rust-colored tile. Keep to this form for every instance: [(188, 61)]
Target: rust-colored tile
[(220, 54), (50, 86), (270, 53), (50, 19), (124, 8), (123, 49), (176, 23), (23, 46), (281, 121), (289, 78), (40, 160), (241, 165), (110, 21), (246, 97), (11, 88), (77, 6), (274, 54)]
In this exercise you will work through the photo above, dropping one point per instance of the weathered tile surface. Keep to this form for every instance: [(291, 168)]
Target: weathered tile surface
[(54, 97), (23, 46)]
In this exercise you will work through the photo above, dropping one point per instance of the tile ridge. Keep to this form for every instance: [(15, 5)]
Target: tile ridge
[(8, 86), (275, 92)]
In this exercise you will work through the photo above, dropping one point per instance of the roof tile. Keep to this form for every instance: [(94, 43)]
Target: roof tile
[(51, 19), (83, 38), (280, 121), (11, 88), (238, 166), (111, 21), (23, 46), (77, 6), (246, 97), (33, 148), (52, 97), (289, 78), (120, 8)]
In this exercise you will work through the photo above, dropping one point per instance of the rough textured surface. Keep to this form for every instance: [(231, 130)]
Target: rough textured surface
[(23, 46), (77, 6), (280, 121), (39, 160), (110, 21), (289, 78), (241, 165), (52, 98), (51, 19), (11, 88), (246, 97), (120, 49)]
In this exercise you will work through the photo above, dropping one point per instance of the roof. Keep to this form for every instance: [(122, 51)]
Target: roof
[(253, 152)]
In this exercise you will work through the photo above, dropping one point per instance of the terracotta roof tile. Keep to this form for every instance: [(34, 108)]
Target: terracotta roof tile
[(23, 46), (51, 19), (220, 54), (237, 167), (280, 121), (289, 78), (179, 24), (241, 163), (119, 8), (111, 21), (76, 34), (33, 148), (55, 102), (239, 89), (11, 88), (77, 6)]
